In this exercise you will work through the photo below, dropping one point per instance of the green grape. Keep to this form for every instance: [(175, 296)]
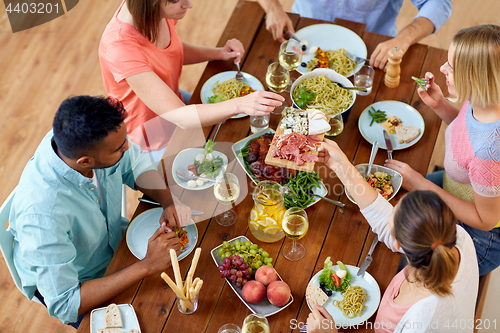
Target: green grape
[(236, 242), (252, 252), (243, 248), (270, 265), (248, 243), (238, 248), (254, 246), (228, 254), (265, 254), (226, 243), (250, 270)]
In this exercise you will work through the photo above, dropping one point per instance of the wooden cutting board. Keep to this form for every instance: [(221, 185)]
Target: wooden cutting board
[(276, 161)]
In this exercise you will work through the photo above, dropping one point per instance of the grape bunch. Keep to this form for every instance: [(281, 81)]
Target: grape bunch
[(249, 252), (236, 269)]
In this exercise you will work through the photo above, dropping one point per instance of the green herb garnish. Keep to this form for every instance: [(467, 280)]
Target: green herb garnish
[(378, 116), (303, 97)]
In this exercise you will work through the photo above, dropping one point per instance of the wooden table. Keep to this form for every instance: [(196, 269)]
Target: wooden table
[(343, 236)]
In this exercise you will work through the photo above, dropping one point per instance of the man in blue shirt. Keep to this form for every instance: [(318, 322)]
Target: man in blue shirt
[(66, 218), (378, 15)]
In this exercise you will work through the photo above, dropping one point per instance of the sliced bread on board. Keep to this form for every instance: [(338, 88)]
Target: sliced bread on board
[(406, 134)]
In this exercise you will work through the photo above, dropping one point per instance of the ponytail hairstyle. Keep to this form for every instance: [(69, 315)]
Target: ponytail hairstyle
[(147, 17), (476, 65), (425, 227)]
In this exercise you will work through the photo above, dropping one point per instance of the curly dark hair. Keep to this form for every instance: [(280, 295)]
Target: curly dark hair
[(82, 122)]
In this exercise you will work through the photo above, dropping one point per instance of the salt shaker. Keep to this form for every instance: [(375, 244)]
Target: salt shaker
[(393, 69)]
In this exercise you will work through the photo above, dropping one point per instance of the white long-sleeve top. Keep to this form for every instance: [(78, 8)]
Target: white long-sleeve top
[(454, 313)]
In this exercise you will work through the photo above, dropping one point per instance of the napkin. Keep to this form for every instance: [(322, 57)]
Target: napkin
[(317, 122)]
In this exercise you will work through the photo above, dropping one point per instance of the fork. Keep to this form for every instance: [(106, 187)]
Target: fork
[(354, 58), (239, 76)]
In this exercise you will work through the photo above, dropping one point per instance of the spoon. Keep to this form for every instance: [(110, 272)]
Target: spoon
[(187, 175), (372, 157)]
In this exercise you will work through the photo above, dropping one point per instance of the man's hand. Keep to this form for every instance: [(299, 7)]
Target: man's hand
[(277, 22), (316, 321), (177, 215), (380, 56), (232, 49), (159, 245)]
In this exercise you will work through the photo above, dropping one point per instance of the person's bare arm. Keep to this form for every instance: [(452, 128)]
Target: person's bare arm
[(277, 20), (233, 49), (482, 214), (94, 292), (411, 34), (163, 101)]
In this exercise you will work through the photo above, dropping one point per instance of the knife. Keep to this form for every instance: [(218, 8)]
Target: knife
[(194, 212), (368, 259), (292, 36), (388, 144)]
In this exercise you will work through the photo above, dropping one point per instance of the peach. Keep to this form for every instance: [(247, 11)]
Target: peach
[(278, 293), (266, 275), (253, 292)]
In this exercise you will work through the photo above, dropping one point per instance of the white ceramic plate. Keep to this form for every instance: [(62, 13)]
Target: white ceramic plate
[(144, 226), (186, 157), (238, 146), (397, 178), (369, 285), (206, 89), (127, 312), (408, 115), (331, 37), (264, 308)]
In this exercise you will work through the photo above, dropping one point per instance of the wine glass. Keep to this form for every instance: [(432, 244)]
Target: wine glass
[(226, 190), (290, 55), (295, 225), (277, 79), (255, 323), (336, 125)]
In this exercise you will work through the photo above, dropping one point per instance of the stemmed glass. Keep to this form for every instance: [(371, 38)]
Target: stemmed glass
[(337, 125), (295, 225), (277, 79), (255, 323), (290, 55), (227, 191)]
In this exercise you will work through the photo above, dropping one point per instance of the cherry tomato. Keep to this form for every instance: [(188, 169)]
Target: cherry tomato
[(336, 280)]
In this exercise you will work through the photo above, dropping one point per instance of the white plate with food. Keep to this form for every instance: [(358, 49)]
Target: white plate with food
[(128, 316), (365, 281), (408, 115), (240, 150), (209, 166), (264, 308), (395, 182), (230, 89), (331, 37), (144, 225)]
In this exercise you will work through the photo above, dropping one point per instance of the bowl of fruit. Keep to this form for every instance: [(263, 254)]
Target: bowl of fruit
[(249, 271)]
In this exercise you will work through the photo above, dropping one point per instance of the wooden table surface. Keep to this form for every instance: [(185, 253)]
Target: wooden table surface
[(343, 236)]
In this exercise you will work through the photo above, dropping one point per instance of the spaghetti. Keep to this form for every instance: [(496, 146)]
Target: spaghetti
[(334, 59), (231, 88), (352, 304), (330, 98)]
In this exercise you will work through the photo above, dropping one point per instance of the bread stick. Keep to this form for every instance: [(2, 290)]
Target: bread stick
[(172, 285), (197, 289), (194, 263), (176, 269), (193, 285)]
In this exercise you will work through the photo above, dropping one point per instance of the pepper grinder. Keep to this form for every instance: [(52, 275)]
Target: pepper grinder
[(393, 70)]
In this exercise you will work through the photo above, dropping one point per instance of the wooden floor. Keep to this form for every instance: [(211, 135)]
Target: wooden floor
[(42, 66)]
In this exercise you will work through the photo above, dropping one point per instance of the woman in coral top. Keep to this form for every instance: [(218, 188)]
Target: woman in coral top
[(470, 184), (141, 57), (437, 290)]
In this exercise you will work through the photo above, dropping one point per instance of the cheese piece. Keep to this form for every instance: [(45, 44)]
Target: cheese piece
[(317, 122)]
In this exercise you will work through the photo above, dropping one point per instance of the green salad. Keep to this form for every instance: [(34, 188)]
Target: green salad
[(206, 164), (334, 280)]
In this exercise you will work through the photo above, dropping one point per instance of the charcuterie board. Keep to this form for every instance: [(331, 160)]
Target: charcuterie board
[(314, 141)]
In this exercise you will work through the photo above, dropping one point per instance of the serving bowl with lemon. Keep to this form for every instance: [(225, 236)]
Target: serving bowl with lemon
[(267, 214)]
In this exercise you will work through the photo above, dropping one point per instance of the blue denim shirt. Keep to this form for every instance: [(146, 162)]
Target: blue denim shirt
[(378, 15), (61, 236)]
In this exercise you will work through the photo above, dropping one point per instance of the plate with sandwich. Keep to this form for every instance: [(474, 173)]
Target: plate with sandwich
[(114, 318), (402, 121)]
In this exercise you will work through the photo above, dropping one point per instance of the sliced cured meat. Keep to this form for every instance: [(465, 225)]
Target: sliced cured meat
[(309, 158), (290, 149)]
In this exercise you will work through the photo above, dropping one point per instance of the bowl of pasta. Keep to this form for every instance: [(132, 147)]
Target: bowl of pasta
[(320, 89)]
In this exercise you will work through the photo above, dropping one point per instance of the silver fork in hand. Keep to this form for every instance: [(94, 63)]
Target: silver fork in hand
[(239, 76), (356, 59)]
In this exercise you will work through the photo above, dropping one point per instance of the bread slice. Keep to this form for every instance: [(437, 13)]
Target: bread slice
[(315, 294), (406, 134), (109, 330), (112, 317)]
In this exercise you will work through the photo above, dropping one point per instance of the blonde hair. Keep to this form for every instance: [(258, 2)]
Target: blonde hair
[(146, 16), (476, 65), (420, 220)]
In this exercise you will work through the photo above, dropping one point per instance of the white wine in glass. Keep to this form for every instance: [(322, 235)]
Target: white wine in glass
[(336, 125), (290, 55), (255, 323), (295, 225), (277, 77), (226, 191)]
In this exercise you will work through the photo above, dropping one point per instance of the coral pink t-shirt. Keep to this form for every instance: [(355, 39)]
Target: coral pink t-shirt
[(389, 313), (124, 52)]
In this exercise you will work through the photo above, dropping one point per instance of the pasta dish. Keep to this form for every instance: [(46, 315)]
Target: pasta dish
[(334, 59), (329, 98), (352, 304), (229, 89)]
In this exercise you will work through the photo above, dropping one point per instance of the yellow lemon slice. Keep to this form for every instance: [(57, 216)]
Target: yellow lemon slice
[(253, 225), (253, 215), (270, 222), (272, 229)]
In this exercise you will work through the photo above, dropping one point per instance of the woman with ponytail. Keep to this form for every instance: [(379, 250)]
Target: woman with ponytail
[(438, 289)]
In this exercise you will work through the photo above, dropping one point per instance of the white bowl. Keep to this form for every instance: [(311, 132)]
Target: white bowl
[(332, 75), (397, 178)]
